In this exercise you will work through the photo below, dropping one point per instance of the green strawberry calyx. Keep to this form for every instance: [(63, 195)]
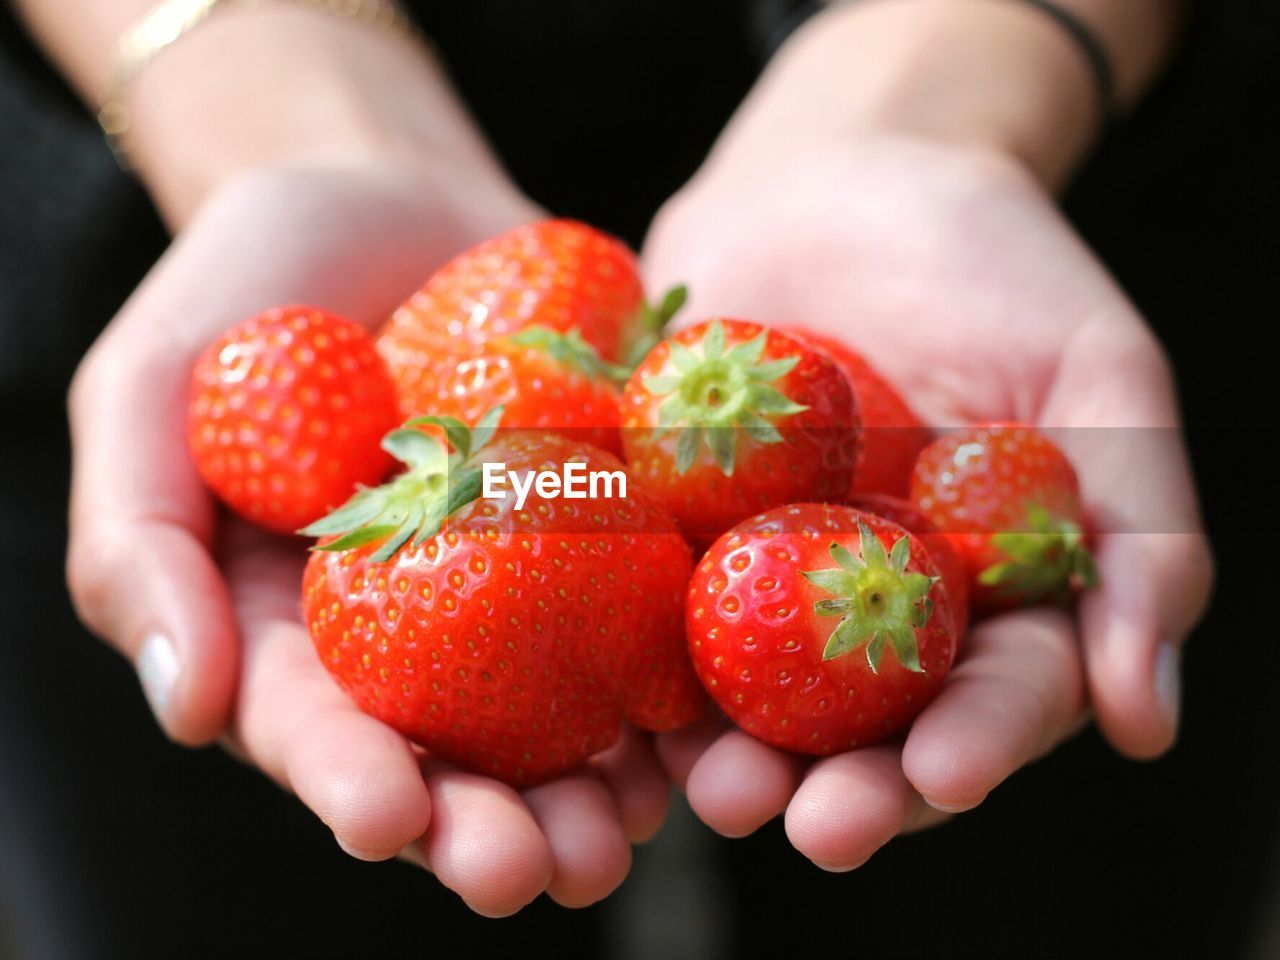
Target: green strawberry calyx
[(713, 396), (571, 350), (413, 506), (878, 602), (651, 324), (1047, 561)]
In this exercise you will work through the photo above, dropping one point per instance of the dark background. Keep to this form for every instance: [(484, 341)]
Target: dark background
[(115, 844)]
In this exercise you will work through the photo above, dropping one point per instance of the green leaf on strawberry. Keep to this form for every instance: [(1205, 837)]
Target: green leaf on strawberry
[(653, 321), (414, 505), (713, 395), (571, 349), (879, 603), (1046, 562)]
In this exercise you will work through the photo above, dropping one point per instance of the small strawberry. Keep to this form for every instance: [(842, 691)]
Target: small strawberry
[(819, 628), (955, 576), (558, 274), (1010, 503), (728, 418), (287, 411), (540, 377), (510, 639), (892, 434)]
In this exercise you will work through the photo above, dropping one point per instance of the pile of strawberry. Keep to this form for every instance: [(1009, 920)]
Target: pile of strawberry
[(840, 549)]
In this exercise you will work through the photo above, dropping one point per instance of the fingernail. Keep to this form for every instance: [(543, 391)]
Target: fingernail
[(952, 808), (1168, 680), (157, 667)]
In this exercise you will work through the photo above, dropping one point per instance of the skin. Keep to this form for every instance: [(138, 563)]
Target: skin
[(254, 201), (251, 173), (944, 258), (150, 553)]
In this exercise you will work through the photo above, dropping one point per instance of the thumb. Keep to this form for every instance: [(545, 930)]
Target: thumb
[(138, 562)]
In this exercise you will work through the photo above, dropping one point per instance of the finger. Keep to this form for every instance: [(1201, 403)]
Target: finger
[(851, 805), (588, 847), (138, 563), (1015, 694), (483, 842), (1115, 398), (739, 784), (680, 749), (639, 785), (362, 779), (1153, 588)]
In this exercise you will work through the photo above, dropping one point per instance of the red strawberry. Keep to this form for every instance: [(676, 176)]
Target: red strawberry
[(728, 418), (511, 640), (540, 378), (287, 412), (1010, 503), (558, 274), (820, 628), (892, 434), (955, 577)]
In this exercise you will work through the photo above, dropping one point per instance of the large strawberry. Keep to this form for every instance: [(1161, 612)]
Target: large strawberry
[(1009, 500), (892, 434), (558, 274), (540, 377), (510, 639), (955, 576), (819, 628), (728, 418), (287, 412)]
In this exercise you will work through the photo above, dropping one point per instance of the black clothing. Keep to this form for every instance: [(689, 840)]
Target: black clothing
[(115, 844)]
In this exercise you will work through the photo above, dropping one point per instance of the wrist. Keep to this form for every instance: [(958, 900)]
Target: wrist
[(282, 85), (996, 76)]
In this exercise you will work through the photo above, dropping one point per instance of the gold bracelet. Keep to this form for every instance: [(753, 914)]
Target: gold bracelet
[(171, 20)]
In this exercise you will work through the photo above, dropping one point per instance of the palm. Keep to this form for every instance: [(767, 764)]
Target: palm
[(952, 271)]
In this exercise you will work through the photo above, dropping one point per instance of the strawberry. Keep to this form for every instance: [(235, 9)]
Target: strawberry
[(541, 378), (1009, 501), (287, 411), (512, 640), (892, 434), (728, 418), (955, 576), (820, 628), (558, 274)]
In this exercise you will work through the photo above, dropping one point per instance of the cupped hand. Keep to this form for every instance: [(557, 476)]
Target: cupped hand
[(208, 608), (950, 268)]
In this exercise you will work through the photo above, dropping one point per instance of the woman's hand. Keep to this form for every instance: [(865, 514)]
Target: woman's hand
[(950, 268), (208, 607), (887, 182), (327, 164)]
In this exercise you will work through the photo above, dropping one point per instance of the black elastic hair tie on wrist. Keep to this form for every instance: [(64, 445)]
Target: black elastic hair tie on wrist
[(1104, 77), (1095, 53)]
